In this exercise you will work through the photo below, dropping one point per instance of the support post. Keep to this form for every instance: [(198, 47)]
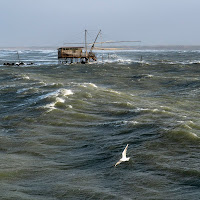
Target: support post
[(86, 43)]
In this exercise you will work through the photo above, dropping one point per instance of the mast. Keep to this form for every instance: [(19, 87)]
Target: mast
[(18, 56), (86, 43), (92, 47)]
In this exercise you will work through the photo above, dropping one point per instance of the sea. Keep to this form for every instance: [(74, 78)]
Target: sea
[(63, 127)]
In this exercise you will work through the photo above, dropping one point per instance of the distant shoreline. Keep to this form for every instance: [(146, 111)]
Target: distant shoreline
[(147, 47)]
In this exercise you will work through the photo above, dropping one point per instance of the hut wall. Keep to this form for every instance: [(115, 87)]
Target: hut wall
[(69, 52)]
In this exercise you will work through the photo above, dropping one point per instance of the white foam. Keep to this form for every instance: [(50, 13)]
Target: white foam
[(147, 109), (124, 103), (149, 76), (22, 90), (26, 77), (129, 104), (131, 122), (50, 106), (113, 91), (89, 84), (180, 122), (124, 61), (193, 134), (47, 95), (155, 110), (65, 92), (59, 92), (119, 60), (187, 126), (45, 51), (93, 85), (58, 99), (125, 123), (142, 109), (122, 123)]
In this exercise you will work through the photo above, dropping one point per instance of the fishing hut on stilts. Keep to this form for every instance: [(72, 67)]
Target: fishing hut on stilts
[(77, 54), (71, 54)]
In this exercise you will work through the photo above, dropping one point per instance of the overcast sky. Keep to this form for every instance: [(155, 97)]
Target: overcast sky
[(53, 22)]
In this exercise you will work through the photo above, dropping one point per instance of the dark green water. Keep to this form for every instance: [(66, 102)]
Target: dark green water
[(63, 127)]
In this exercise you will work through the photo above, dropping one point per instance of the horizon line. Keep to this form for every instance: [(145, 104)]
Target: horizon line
[(125, 46)]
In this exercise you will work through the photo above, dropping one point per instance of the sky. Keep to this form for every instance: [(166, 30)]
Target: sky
[(54, 22)]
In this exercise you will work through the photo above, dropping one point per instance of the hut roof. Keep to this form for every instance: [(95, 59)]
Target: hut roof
[(70, 47)]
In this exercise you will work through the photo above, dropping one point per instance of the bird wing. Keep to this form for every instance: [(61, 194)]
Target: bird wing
[(124, 152), (118, 163)]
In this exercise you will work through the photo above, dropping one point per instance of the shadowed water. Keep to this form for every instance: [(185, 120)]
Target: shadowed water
[(63, 127)]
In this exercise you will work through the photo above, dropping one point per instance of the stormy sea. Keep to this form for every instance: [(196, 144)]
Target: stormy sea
[(63, 127)]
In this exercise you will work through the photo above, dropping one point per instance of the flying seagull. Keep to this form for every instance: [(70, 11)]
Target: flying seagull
[(124, 158)]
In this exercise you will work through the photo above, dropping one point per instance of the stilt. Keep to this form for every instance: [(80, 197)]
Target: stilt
[(141, 61)]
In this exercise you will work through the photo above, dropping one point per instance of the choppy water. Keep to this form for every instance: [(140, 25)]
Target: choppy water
[(63, 127)]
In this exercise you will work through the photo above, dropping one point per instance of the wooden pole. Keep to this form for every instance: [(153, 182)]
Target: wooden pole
[(86, 43), (18, 56)]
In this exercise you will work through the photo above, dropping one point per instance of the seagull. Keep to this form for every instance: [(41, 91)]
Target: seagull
[(124, 158)]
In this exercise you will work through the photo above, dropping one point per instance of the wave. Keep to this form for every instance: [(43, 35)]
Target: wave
[(46, 51), (59, 92), (117, 60), (144, 62), (145, 51), (88, 85), (102, 92), (120, 123), (169, 62), (52, 106), (184, 132), (58, 100)]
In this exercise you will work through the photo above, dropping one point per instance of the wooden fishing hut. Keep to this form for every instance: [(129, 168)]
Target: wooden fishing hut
[(75, 54), (81, 54)]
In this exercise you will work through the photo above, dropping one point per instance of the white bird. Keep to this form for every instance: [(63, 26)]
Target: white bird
[(124, 158)]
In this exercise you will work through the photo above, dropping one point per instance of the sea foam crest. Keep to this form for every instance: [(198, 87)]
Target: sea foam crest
[(89, 85), (117, 60), (65, 92), (58, 99), (58, 94), (194, 134), (52, 106), (121, 123)]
